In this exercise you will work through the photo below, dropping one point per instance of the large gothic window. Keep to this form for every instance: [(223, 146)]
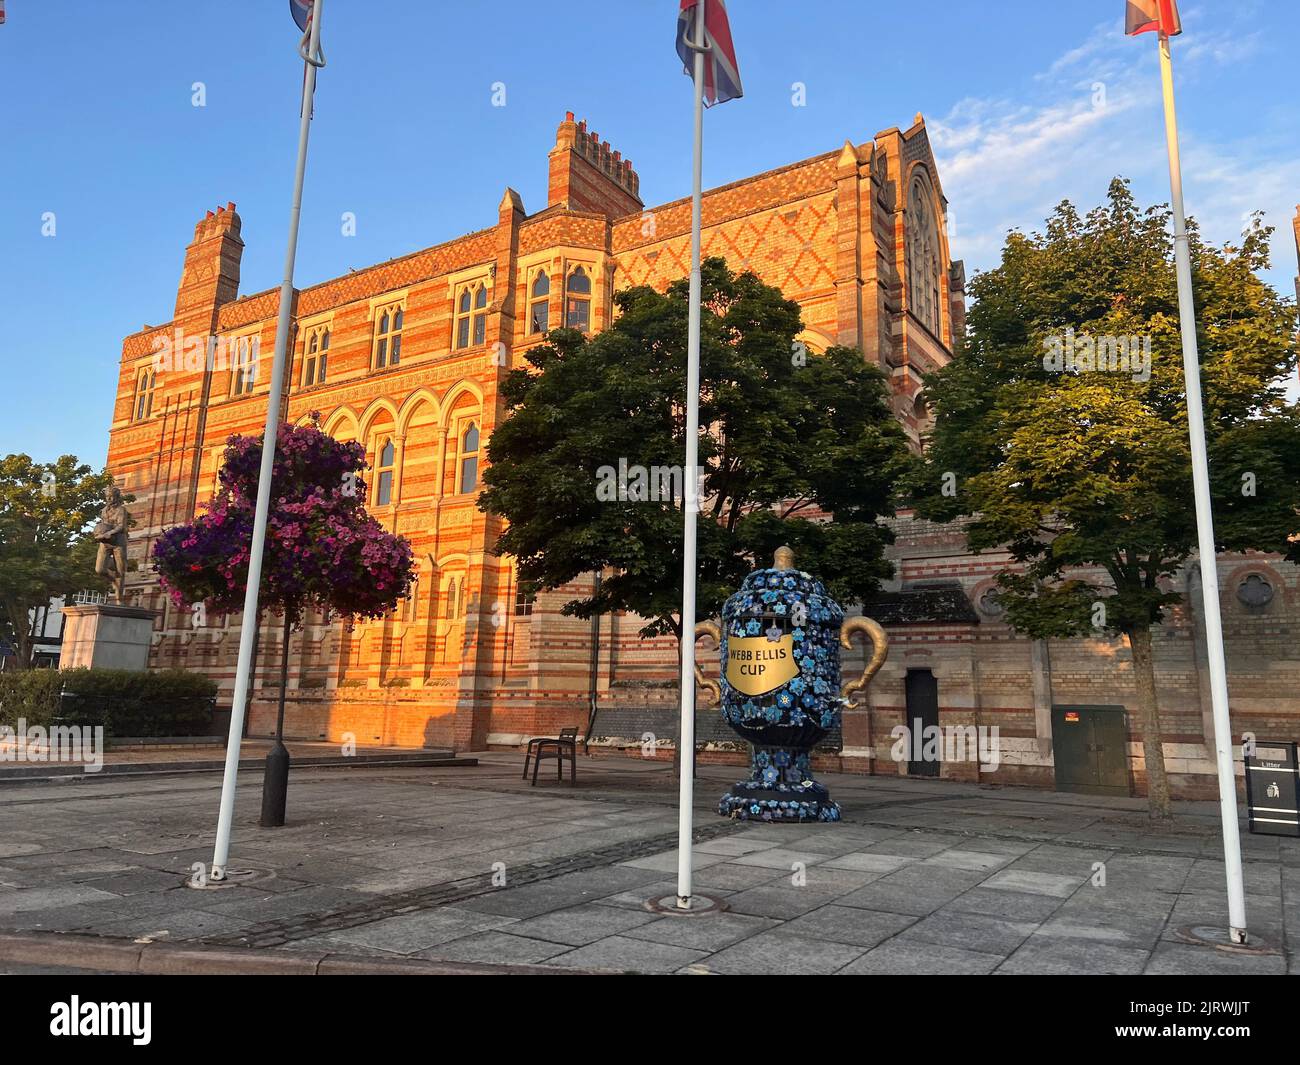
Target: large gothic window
[(924, 291)]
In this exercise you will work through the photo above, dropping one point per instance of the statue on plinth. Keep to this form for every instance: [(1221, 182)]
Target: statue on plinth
[(110, 533)]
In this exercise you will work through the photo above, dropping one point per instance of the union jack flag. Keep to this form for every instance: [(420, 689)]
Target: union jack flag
[(2, 11), (1158, 15), (721, 74), (301, 12)]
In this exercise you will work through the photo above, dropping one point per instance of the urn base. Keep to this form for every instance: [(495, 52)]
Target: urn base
[(779, 788)]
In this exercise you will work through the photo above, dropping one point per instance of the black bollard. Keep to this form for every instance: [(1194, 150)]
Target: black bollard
[(275, 786), (275, 783)]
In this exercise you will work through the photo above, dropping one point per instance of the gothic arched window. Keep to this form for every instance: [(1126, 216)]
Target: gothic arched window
[(924, 291), (384, 470), (577, 314), (388, 336), (539, 304), (469, 459), (244, 372), (144, 395), (316, 356)]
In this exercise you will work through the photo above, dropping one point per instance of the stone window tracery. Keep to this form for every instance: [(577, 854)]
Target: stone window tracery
[(924, 291)]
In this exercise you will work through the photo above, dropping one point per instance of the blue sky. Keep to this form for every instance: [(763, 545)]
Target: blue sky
[(99, 129)]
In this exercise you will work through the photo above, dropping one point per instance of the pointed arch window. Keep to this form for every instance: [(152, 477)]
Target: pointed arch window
[(244, 371), (388, 336), (316, 353), (924, 291), (384, 474), (539, 304), (577, 312), (468, 475), (471, 315), (144, 395)]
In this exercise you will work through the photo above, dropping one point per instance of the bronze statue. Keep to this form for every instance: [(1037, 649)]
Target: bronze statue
[(110, 532)]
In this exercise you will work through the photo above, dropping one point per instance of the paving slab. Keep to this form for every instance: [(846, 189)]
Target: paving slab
[(580, 925), (919, 958), (622, 954), (785, 953), (710, 933), (1072, 956), (497, 947), (971, 931), (849, 925)]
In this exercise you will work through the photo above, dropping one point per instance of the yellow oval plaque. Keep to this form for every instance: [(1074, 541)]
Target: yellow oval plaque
[(757, 665)]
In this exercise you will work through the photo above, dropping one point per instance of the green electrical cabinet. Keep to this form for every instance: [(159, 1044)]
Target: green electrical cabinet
[(1090, 749)]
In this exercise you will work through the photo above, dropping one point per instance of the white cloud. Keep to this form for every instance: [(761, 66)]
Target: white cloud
[(1095, 113)]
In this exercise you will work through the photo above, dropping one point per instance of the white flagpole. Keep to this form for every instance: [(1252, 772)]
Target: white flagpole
[(691, 502), (312, 58), (1204, 522)]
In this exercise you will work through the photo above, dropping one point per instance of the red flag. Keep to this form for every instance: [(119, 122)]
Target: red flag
[(1158, 15)]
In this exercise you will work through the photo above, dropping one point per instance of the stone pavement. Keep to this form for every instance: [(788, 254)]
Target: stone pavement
[(470, 865)]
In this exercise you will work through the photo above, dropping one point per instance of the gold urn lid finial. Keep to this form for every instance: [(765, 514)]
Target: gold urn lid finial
[(783, 558)]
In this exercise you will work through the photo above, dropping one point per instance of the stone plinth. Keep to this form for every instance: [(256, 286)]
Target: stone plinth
[(105, 636)]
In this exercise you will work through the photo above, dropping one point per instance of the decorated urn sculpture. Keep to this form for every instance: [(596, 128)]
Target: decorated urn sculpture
[(779, 644)]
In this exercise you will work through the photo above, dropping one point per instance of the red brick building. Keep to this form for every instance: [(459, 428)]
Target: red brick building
[(407, 357)]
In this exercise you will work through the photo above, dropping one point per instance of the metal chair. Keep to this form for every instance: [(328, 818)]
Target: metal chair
[(560, 747)]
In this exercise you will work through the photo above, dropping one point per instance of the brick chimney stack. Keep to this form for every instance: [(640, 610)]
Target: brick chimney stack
[(211, 273), (586, 174)]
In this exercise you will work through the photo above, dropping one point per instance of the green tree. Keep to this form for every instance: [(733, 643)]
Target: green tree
[(788, 438), (1084, 474), (45, 548)]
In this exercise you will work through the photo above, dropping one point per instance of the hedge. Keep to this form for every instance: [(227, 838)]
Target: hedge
[(170, 702)]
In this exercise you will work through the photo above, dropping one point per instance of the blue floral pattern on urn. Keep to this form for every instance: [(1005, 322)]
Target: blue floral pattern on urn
[(779, 645)]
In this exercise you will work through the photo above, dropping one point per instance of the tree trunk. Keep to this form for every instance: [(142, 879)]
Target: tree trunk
[(1144, 679), (24, 648), (20, 623)]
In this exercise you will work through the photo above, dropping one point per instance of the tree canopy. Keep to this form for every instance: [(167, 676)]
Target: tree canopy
[(582, 467), (1061, 428), (46, 551)]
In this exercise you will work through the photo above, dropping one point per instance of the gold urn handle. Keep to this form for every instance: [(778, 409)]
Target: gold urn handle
[(879, 652), (713, 687)]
